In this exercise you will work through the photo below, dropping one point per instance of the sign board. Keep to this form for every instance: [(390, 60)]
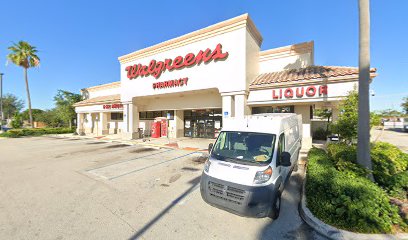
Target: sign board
[(156, 68), (307, 93), (113, 106)]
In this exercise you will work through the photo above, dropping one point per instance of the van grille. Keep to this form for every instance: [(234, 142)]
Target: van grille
[(226, 193)]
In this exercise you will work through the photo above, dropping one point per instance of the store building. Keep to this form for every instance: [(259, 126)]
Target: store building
[(201, 78)]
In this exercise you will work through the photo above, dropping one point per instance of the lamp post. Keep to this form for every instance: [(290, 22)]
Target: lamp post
[(1, 101)]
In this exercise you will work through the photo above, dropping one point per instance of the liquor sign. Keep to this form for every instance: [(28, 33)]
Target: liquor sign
[(299, 92), (155, 68), (113, 106)]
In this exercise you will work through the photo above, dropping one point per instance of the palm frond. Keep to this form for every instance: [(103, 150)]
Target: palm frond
[(23, 55)]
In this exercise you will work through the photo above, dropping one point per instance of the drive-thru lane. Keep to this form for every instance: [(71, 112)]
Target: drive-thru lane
[(87, 189)]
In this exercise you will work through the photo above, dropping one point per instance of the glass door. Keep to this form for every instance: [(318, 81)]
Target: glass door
[(204, 123)]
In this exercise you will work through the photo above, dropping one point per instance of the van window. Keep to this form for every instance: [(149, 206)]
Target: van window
[(244, 147), (281, 148)]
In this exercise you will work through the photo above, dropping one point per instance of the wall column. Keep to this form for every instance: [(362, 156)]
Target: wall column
[(130, 121), (335, 113), (228, 106), (179, 118), (304, 110), (103, 123), (80, 123), (241, 106)]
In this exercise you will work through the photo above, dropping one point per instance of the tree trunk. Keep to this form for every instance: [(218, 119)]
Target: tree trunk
[(327, 126), (363, 130), (28, 98)]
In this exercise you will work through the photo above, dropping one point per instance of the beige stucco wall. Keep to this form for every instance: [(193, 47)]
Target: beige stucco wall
[(304, 110), (226, 75), (286, 63), (196, 100)]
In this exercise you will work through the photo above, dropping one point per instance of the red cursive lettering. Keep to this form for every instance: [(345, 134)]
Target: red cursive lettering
[(156, 68)]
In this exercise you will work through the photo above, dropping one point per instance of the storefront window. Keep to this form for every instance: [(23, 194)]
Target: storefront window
[(117, 116), (154, 114), (273, 109)]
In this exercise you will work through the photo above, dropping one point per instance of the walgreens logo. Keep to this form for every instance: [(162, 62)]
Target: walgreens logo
[(156, 68)]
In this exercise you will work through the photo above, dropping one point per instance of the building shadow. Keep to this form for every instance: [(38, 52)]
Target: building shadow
[(289, 224), (399, 130), (195, 183)]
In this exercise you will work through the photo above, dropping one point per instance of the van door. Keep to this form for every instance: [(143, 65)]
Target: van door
[(283, 171)]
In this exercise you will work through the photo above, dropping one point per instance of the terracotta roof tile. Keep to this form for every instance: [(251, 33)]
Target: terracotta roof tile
[(308, 73), (99, 100)]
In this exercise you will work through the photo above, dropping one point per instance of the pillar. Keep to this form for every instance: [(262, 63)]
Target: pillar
[(228, 106), (179, 119), (130, 127), (335, 113), (103, 123), (241, 106), (80, 123), (304, 110)]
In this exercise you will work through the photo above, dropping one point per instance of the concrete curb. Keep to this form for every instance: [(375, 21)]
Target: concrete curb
[(334, 233)]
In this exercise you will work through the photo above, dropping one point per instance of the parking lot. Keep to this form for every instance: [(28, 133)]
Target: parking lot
[(54, 188)]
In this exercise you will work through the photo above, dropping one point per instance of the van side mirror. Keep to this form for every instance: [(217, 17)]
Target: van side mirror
[(210, 146), (285, 159)]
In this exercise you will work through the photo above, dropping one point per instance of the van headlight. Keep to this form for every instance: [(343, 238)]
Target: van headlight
[(207, 166), (263, 176)]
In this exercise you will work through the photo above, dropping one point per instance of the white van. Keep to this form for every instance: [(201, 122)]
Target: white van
[(249, 163)]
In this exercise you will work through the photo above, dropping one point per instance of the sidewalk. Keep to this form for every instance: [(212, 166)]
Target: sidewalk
[(185, 143)]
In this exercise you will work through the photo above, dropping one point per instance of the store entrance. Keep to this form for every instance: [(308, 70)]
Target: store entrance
[(203, 123)]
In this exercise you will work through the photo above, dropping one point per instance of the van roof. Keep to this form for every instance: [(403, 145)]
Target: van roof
[(264, 123)]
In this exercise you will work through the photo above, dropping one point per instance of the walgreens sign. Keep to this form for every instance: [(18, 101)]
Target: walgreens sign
[(156, 68)]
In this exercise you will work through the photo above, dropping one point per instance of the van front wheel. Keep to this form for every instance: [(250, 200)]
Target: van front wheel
[(274, 213)]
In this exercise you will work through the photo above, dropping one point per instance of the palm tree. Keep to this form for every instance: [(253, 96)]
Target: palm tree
[(363, 130), (24, 55)]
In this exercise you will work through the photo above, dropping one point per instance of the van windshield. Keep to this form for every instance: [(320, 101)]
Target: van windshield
[(244, 147)]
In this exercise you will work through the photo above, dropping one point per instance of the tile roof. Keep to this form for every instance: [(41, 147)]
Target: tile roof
[(307, 73), (99, 100)]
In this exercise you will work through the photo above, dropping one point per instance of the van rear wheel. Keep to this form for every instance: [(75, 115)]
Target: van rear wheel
[(274, 213)]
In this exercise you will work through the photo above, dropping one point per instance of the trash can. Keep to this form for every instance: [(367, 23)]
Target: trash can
[(140, 131)]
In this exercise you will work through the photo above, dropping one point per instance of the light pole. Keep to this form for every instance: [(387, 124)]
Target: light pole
[(1, 101)]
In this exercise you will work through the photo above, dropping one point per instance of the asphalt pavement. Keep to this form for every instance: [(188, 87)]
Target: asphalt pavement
[(394, 136), (54, 188)]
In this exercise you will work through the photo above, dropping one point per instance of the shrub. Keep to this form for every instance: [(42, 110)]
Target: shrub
[(344, 157), (349, 202), (399, 185), (16, 122), (14, 133), (390, 167), (320, 134)]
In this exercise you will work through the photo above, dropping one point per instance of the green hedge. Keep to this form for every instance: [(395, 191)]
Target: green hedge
[(320, 134), (347, 201), (14, 133), (390, 165)]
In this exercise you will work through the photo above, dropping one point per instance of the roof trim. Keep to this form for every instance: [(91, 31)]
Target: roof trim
[(98, 100), (351, 78), (286, 78), (217, 29), (102, 87), (286, 51)]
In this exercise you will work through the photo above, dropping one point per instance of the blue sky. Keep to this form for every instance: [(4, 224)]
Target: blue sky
[(79, 41)]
